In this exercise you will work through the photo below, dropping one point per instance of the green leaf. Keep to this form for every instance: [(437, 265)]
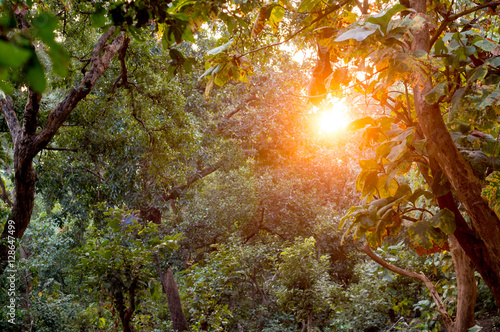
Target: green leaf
[(12, 55), (456, 101), (444, 220), (419, 192), (478, 74), (98, 18), (60, 59), (385, 148), (440, 48), (492, 193), (307, 5), (36, 77), (475, 328), (437, 92), (384, 18), (277, 13), (396, 151), (486, 45), (358, 33), (221, 48), (404, 190), (207, 72), (426, 239)]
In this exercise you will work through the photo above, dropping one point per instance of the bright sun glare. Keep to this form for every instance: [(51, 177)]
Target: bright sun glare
[(333, 119)]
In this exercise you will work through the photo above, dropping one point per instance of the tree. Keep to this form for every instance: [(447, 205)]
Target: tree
[(24, 25), (395, 49), (118, 262)]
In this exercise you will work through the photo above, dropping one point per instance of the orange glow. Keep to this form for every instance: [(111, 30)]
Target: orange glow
[(333, 119)]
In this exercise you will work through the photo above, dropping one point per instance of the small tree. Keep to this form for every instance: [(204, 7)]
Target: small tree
[(117, 262)]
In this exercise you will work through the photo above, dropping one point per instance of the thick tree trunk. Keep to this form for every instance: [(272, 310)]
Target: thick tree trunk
[(464, 268), (28, 142), (442, 148), (466, 285), (473, 246)]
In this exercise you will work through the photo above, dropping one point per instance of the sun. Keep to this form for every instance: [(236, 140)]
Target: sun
[(333, 119)]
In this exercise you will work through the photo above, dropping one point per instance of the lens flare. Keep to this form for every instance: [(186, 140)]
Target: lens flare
[(334, 119)]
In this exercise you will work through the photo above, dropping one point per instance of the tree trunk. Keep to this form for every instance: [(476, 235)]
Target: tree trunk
[(309, 321), (28, 142), (174, 300), (442, 148), (466, 285), (126, 314)]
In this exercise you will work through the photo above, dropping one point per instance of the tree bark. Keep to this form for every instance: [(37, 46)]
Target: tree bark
[(125, 313), (174, 300), (28, 142), (466, 285), (442, 148)]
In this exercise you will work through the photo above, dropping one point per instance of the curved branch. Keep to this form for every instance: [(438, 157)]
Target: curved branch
[(440, 307), (99, 64)]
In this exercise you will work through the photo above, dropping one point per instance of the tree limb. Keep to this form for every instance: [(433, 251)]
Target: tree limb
[(441, 308), (456, 16), (99, 64), (223, 122), (10, 117), (176, 191), (60, 149), (327, 12)]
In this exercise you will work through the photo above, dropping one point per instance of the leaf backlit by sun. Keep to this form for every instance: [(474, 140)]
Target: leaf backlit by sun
[(333, 120)]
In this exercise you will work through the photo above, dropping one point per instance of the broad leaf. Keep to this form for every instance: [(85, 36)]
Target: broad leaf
[(444, 220), (12, 55), (361, 123), (426, 239), (437, 92), (358, 33), (384, 18), (221, 48)]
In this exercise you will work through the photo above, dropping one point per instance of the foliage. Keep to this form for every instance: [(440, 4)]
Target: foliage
[(201, 123), (304, 284), (116, 262)]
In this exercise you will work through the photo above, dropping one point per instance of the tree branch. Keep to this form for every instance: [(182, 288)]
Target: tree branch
[(60, 149), (440, 307), (99, 64), (176, 191), (327, 12), (122, 79), (456, 16), (10, 117), (223, 122)]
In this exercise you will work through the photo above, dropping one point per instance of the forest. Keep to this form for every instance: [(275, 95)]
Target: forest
[(249, 165)]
